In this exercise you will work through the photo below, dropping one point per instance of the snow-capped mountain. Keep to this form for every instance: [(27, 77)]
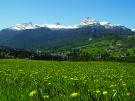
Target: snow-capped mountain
[(85, 22), (105, 24)]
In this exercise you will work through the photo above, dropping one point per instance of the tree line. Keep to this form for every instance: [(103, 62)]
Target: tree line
[(73, 55)]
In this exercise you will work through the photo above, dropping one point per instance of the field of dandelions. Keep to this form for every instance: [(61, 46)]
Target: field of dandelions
[(28, 80)]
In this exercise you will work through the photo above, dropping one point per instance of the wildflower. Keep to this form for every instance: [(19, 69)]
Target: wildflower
[(71, 78), (32, 93), (46, 96), (129, 94), (113, 86), (49, 83), (120, 80), (65, 77), (97, 91), (105, 92), (74, 94), (84, 82), (75, 79), (114, 90), (124, 84)]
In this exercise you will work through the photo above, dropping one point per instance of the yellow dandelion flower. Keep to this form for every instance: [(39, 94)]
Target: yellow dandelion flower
[(74, 79), (97, 91), (71, 78), (120, 79), (65, 77), (105, 92), (74, 94), (32, 93), (84, 82), (114, 90), (46, 96), (124, 84), (113, 86), (49, 83), (129, 94)]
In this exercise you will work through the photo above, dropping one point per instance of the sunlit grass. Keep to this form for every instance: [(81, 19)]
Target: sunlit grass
[(27, 80)]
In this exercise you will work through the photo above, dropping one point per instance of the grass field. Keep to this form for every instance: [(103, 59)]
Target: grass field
[(27, 80)]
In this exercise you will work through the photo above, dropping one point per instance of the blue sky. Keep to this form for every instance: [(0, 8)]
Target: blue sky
[(66, 11)]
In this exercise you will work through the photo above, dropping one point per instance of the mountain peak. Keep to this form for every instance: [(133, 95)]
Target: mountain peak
[(24, 26), (88, 21)]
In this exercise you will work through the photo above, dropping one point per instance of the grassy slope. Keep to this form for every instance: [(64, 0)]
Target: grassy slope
[(111, 44), (56, 81)]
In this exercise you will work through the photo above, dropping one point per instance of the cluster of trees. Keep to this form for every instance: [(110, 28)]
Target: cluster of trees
[(10, 53), (77, 55)]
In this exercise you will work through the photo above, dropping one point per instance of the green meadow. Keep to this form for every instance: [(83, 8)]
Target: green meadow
[(31, 80)]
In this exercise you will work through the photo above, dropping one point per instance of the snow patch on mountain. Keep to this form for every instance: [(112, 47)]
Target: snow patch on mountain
[(104, 23), (59, 26), (133, 30)]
